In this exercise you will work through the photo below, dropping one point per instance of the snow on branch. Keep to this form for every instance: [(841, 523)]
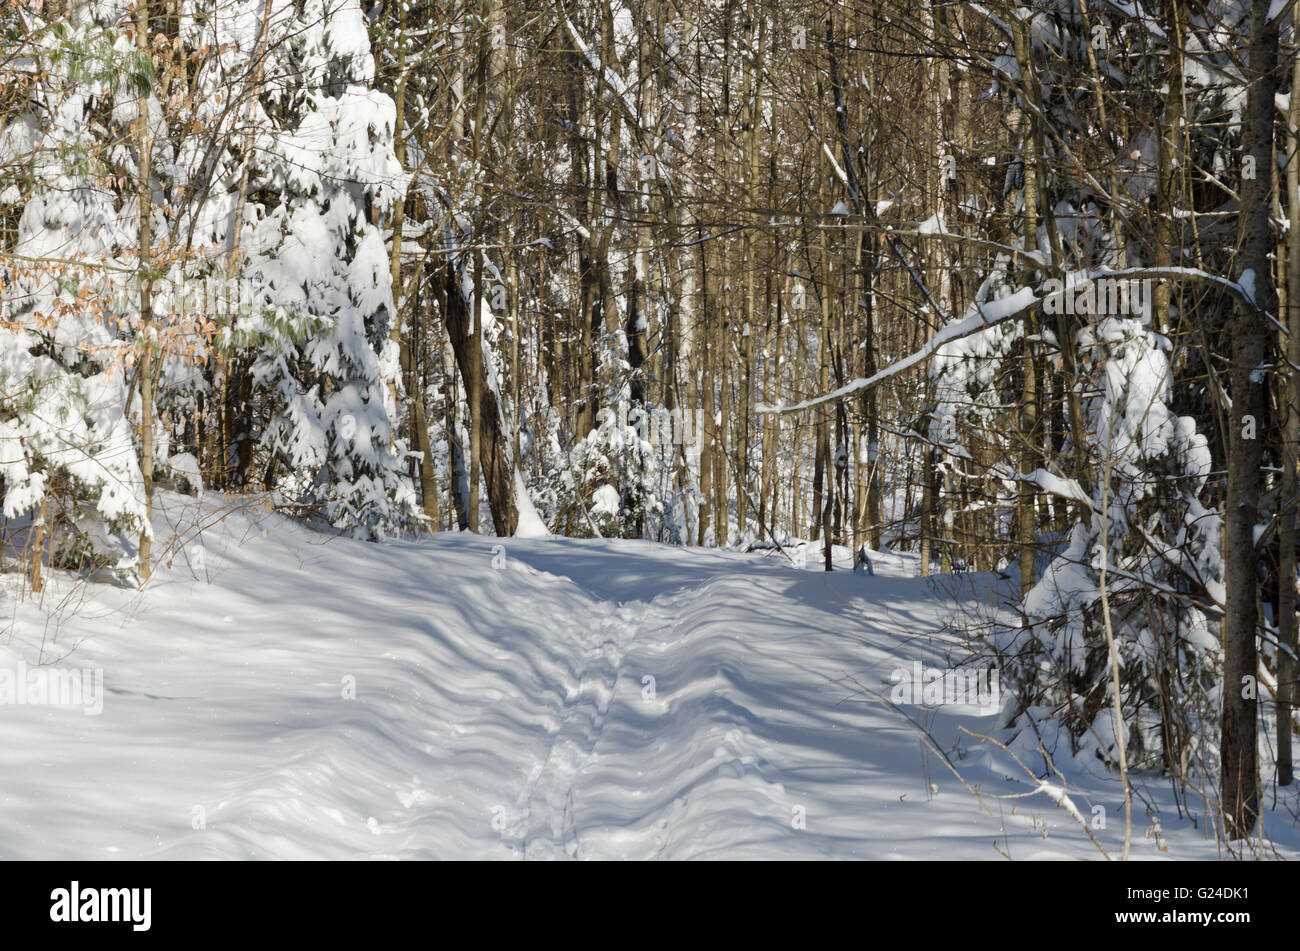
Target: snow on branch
[(1056, 485), (1013, 307), (615, 82), (987, 315)]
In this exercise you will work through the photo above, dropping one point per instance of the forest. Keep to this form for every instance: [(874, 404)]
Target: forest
[(995, 290)]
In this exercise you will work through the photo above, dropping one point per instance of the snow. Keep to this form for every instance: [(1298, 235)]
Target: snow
[(185, 466), (933, 225), (1247, 283), (618, 86), (986, 315), (271, 695), (605, 501), (1057, 485), (280, 690), (982, 316), (530, 524)]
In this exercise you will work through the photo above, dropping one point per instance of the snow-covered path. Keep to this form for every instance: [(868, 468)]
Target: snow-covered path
[(290, 695)]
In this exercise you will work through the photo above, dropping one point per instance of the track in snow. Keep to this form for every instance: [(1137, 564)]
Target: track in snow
[(510, 699)]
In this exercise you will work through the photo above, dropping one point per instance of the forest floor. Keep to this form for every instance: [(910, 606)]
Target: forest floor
[(280, 693)]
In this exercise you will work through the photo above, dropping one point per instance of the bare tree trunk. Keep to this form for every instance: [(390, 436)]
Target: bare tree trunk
[(146, 368), (36, 539), (1239, 770), (402, 330), (458, 477), (704, 374), (493, 442), (1025, 510), (1290, 403), (1167, 163), (417, 388), (470, 358)]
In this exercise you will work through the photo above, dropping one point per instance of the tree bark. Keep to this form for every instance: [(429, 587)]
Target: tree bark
[(1290, 402), (1239, 778), (493, 442), (146, 368)]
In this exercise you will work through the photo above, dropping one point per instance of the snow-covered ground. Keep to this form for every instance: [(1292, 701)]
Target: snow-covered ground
[(279, 693)]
